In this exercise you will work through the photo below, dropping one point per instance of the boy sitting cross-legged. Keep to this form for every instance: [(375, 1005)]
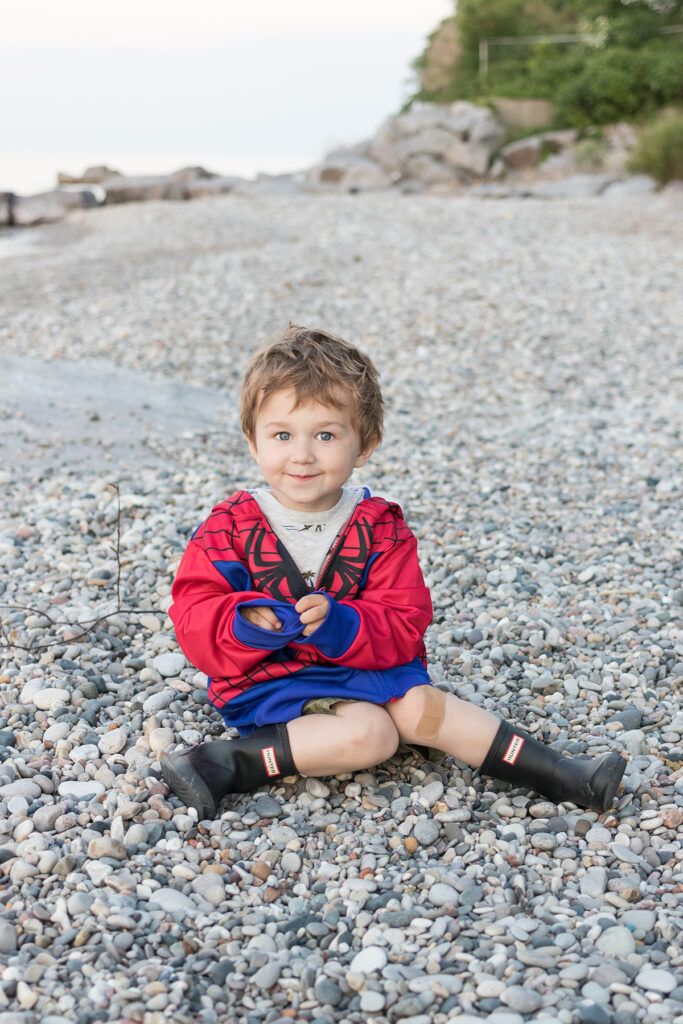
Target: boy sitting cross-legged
[(305, 605)]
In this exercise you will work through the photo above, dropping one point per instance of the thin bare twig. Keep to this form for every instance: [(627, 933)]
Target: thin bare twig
[(88, 625), (117, 547)]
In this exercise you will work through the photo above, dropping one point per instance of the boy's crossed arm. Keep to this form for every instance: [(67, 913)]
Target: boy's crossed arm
[(227, 631), (311, 609)]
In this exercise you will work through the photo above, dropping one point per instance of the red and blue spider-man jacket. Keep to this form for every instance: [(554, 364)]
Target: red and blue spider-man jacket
[(379, 606)]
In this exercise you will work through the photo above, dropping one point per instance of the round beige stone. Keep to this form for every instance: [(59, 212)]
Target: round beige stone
[(113, 741), (160, 739)]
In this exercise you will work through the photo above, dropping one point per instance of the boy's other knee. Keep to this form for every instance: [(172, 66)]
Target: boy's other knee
[(423, 709)]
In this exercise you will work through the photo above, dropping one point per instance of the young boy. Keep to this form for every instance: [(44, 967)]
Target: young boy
[(305, 605)]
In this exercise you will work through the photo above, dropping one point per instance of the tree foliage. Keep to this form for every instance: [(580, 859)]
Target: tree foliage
[(624, 67)]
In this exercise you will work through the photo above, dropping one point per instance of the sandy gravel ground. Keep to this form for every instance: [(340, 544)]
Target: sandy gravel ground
[(531, 357)]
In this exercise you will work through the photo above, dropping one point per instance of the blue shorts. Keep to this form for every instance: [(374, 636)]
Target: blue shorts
[(281, 700)]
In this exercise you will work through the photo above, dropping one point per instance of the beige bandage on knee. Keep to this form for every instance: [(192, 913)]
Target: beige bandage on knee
[(433, 714)]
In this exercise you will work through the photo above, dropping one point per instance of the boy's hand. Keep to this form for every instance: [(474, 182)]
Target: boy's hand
[(312, 609), (262, 616)]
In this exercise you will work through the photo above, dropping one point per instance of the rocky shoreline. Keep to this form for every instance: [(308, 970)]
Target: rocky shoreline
[(440, 149), (530, 355)]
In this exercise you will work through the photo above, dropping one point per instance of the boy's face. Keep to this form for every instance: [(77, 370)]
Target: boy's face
[(306, 454)]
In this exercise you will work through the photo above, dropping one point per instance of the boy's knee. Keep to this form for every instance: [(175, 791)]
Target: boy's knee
[(423, 709), (374, 732)]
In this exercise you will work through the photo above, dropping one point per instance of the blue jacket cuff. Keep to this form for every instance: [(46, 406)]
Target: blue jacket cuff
[(267, 639), (336, 632)]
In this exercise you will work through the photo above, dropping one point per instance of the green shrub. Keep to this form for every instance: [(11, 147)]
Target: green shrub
[(590, 155), (620, 84), (659, 151), (626, 73)]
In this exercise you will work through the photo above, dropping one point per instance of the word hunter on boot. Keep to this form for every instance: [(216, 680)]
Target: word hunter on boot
[(203, 775), (518, 758)]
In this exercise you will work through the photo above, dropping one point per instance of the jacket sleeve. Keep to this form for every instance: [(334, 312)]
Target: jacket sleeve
[(208, 599), (385, 624)]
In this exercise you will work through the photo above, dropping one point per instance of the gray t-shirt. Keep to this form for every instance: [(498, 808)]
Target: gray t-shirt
[(308, 536)]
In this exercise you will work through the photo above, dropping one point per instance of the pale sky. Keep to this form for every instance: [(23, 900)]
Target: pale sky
[(270, 79)]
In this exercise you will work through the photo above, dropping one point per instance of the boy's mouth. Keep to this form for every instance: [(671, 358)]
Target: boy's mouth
[(303, 476)]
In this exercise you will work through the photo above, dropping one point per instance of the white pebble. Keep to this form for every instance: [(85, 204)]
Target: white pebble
[(113, 741), (22, 787), (81, 790), (169, 664), (17, 804), (160, 739), (51, 698), (370, 959), (84, 753), (158, 701), (656, 980)]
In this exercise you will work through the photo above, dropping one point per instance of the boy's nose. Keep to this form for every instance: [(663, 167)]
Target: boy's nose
[(303, 452)]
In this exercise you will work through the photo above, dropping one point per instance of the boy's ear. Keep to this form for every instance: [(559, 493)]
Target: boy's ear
[(365, 455), (252, 448)]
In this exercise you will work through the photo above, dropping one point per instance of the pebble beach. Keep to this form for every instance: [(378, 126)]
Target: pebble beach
[(532, 364)]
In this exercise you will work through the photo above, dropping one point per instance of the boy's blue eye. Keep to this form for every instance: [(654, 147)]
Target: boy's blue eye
[(325, 435), (283, 435)]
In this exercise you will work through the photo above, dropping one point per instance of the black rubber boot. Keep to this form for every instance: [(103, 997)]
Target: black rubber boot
[(204, 774), (518, 758)]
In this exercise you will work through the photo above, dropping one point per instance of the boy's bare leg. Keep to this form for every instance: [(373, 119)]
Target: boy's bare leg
[(503, 751), (359, 735), (432, 718)]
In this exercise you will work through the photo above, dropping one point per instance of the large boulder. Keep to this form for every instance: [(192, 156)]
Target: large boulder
[(428, 142), (475, 123), (471, 157), (200, 187), (528, 152), (141, 189), (48, 206), (429, 171), (522, 154), (460, 136), (6, 204), (188, 174), (348, 171), (91, 176), (556, 142)]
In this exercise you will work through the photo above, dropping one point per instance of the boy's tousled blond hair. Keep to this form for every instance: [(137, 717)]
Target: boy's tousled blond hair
[(319, 367)]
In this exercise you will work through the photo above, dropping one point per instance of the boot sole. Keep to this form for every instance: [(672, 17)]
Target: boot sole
[(188, 784), (605, 782)]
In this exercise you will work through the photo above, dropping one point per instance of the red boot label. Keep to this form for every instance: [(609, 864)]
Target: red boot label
[(270, 761), (514, 749)]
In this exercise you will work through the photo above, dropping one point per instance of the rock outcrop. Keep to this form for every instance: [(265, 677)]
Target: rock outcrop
[(25, 211), (121, 189), (6, 204), (440, 57), (528, 152), (348, 171), (91, 176), (431, 144), (436, 147)]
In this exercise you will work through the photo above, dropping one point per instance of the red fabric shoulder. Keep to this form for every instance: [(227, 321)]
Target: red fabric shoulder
[(386, 521), (224, 531), (236, 509)]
